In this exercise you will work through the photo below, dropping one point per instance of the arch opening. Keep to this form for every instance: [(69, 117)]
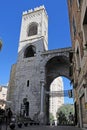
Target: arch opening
[(29, 51), (57, 68), (32, 30), (60, 99)]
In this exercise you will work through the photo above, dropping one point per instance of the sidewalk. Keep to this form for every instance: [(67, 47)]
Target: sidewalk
[(43, 128)]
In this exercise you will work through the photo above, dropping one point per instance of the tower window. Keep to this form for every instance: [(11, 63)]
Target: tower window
[(85, 18), (29, 51), (74, 26), (85, 26), (78, 59), (71, 2), (27, 83), (79, 3), (32, 29)]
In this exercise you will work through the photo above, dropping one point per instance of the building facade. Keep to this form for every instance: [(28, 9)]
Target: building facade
[(3, 96), (78, 29), (55, 101)]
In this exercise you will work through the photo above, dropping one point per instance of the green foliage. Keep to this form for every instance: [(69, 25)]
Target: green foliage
[(63, 112), (51, 117), (62, 118)]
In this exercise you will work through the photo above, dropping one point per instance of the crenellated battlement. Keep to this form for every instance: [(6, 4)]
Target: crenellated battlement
[(35, 9)]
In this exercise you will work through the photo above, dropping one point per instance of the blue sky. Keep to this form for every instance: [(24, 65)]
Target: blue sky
[(67, 86), (10, 23)]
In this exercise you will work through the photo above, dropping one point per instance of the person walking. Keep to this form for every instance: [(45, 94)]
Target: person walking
[(9, 115), (71, 118)]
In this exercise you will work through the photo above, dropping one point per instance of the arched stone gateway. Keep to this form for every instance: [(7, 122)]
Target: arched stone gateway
[(55, 63), (36, 66)]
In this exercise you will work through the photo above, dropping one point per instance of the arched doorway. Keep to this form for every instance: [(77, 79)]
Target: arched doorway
[(24, 111)]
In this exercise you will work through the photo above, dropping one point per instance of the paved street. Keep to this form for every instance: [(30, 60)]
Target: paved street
[(45, 128)]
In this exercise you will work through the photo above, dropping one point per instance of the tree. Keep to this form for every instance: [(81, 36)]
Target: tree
[(0, 44), (51, 118), (61, 118), (65, 110)]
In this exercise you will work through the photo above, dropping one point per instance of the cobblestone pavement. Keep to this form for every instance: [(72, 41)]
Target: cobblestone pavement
[(43, 128)]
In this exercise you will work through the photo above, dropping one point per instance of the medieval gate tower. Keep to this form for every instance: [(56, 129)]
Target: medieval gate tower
[(36, 66), (33, 41)]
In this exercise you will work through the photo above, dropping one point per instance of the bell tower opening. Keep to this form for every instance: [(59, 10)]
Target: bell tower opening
[(29, 51), (33, 29)]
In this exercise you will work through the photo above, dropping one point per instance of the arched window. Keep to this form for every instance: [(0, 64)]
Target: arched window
[(29, 51), (32, 29)]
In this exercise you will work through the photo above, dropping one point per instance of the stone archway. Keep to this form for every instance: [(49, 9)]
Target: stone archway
[(56, 64)]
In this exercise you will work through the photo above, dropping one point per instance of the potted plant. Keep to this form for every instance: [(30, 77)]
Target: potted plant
[(19, 124), (12, 125), (26, 124), (19, 121)]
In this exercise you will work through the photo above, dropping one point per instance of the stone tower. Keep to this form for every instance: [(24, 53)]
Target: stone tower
[(36, 67), (33, 41)]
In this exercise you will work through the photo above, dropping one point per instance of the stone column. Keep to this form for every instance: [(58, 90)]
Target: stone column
[(41, 116), (42, 97)]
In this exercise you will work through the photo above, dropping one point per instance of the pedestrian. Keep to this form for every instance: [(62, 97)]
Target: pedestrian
[(9, 115), (0, 118), (71, 118)]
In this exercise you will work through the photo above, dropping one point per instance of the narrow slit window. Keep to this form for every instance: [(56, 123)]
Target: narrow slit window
[(27, 83), (74, 26)]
